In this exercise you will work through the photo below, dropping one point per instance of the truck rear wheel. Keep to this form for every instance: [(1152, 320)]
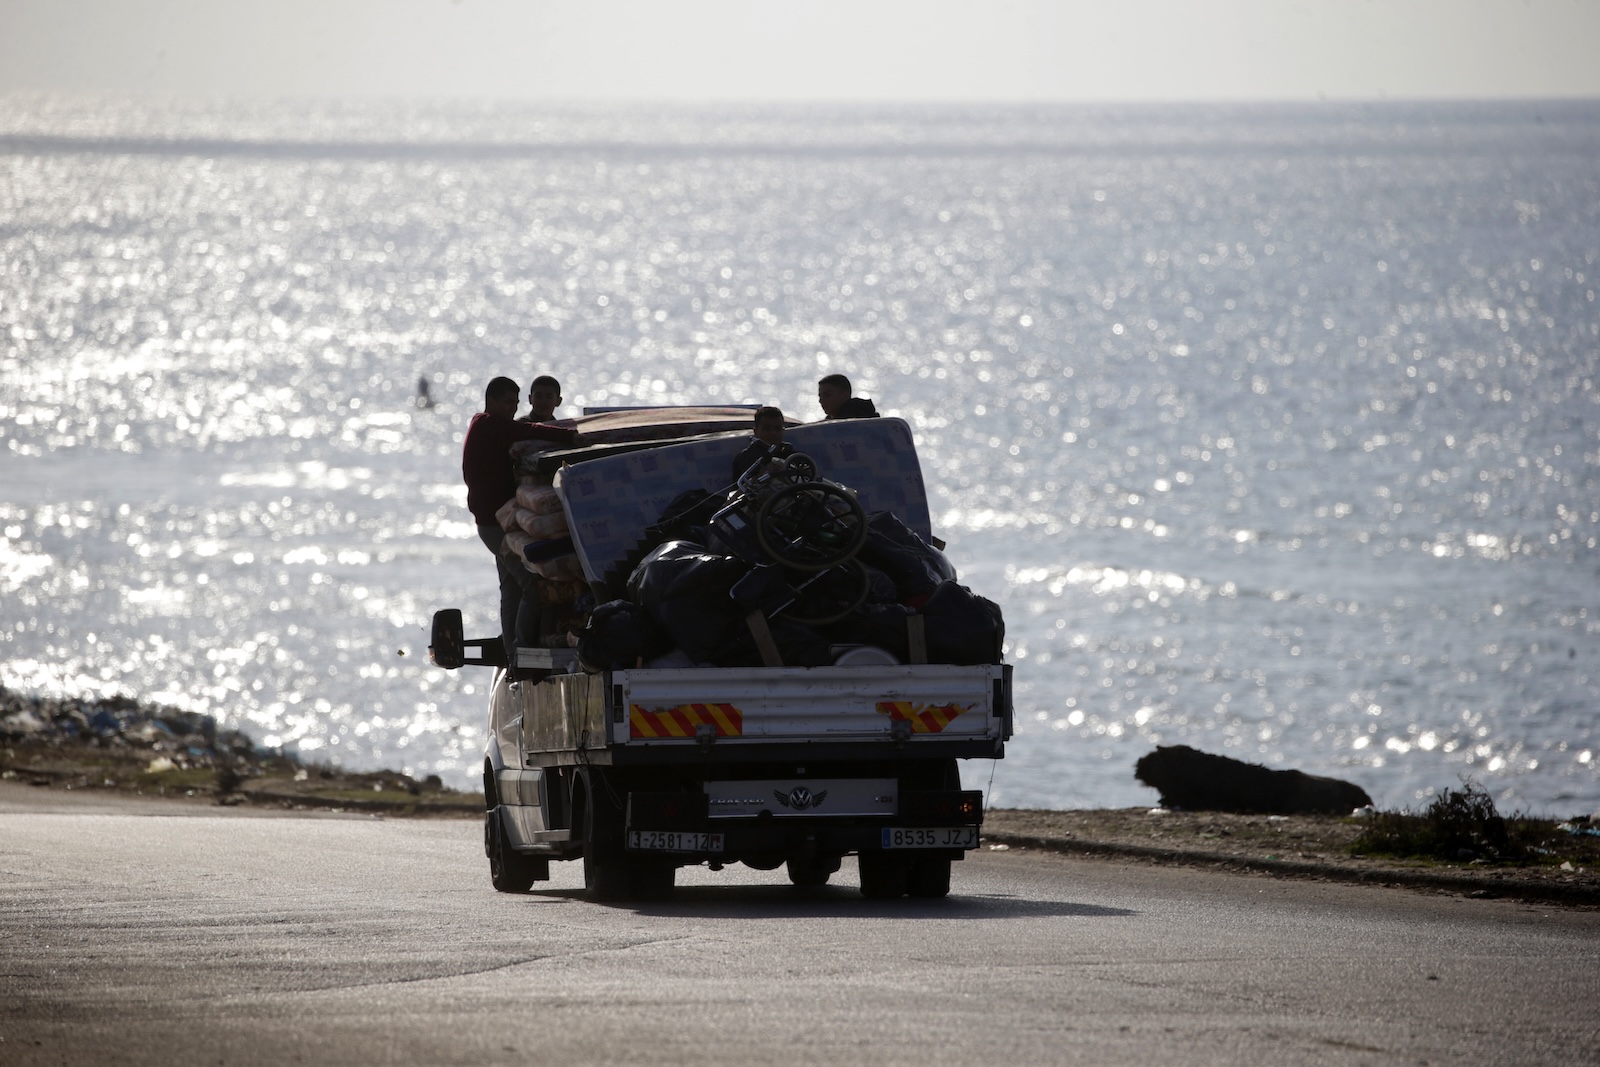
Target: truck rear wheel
[(605, 862), (883, 877), (928, 878)]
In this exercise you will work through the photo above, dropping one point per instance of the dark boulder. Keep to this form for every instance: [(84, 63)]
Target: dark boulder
[(1199, 781)]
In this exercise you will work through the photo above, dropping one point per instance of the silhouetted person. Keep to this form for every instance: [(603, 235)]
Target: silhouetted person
[(544, 396), (424, 393), (768, 431), (491, 481), (834, 395)]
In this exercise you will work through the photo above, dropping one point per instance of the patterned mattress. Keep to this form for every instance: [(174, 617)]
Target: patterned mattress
[(610, 501)]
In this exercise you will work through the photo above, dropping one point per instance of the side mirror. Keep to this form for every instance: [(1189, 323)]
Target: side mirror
[(447, 646)]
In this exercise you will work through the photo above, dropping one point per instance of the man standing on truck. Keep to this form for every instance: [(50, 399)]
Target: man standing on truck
[(834, 397), (491, 481), (544, 396)]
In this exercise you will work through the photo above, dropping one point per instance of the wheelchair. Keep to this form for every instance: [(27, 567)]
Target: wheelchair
[(800, 533)]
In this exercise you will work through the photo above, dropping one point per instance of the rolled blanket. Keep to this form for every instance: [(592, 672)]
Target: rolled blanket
[(516, 541), (539, 499), (507, 516), (542, 527)]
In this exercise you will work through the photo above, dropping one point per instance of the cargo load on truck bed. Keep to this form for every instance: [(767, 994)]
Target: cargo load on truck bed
[(778, 670)]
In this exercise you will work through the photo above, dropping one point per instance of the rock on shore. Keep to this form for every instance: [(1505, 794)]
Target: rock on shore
[(122, 744)]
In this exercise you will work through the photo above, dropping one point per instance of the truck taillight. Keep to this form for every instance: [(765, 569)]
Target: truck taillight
[(665, 811), (942, 806)]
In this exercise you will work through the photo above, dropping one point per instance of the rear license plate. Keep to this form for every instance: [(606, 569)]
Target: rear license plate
[(673, 841), (930, 837)]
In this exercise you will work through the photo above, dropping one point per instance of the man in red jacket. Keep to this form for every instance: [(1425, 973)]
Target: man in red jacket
[(491, 481)]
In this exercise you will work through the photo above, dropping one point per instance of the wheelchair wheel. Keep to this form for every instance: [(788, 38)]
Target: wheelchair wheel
[(800, 467), (811, 526), (831, 595)]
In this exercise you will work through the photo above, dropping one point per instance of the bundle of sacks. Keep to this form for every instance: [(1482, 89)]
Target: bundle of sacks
[(681, 609), (536, 530)]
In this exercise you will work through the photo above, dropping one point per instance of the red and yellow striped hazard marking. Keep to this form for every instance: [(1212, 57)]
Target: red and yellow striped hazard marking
[(680, 721), (924, 718)]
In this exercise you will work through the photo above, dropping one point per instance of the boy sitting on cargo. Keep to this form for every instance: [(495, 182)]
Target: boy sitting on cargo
[(768, 432), (544, 396)]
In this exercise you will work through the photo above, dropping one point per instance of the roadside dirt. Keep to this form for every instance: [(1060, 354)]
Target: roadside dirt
[(1565, 867), (129, 750), (230, 779)]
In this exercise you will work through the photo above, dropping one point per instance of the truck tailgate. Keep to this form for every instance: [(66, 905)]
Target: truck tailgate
[(643, 709), (809, 703)]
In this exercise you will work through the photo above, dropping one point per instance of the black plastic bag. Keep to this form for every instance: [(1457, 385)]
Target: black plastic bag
[(618, 636), (685, 588), (962, 627), (915, 566), (880, 587)]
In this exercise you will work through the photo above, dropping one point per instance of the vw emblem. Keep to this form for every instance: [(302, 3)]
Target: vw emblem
[(799, 798)]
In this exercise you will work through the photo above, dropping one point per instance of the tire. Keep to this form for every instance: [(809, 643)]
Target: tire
[(883, 877), (605, 862), (491, 792), (509, 870), (811, 526), (812, 873), (928, 878), (832, 596)]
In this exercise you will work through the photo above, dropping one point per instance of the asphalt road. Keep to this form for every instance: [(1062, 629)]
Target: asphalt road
[(163, 933)]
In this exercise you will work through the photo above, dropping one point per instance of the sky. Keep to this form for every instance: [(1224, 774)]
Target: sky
[(806, 50)]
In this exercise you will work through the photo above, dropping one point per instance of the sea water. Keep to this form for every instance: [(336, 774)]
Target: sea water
[(1272, 429)]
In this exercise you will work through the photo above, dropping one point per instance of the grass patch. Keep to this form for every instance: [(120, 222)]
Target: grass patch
[(1462, 825)]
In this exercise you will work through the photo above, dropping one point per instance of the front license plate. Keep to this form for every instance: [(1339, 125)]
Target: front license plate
[(673, 841), (930, 837)]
